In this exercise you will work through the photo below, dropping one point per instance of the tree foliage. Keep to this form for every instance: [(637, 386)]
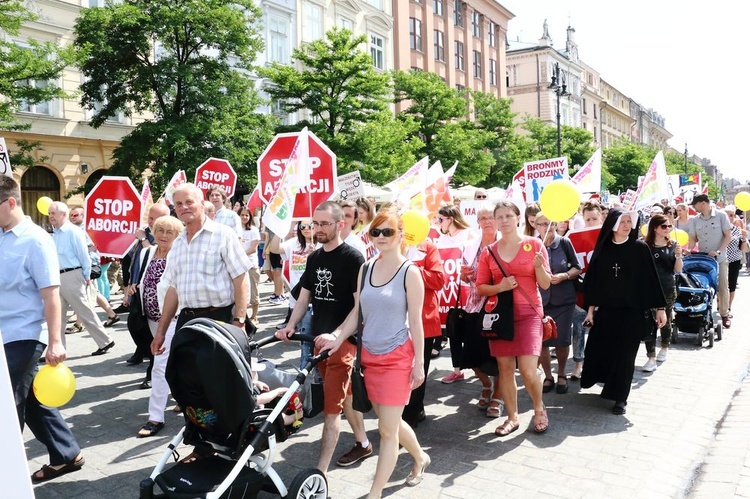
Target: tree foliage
[(388, 147), (626, 161), (337, 85), (432, 103), (187, 65), (465, 143), (41, 62)]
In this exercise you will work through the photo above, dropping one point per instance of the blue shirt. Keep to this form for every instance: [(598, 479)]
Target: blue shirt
[(72, 250), (28, 263)]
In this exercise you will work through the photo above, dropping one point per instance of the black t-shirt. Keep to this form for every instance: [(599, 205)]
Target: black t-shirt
[(664, 258), (331, 278)]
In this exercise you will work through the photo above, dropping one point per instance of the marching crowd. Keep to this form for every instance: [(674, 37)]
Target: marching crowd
[(347, 265)]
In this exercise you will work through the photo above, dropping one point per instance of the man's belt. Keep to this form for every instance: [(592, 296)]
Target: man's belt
[(62, 271), (200, 312)]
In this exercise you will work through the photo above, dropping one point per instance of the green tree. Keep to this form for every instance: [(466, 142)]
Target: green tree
[(575, 143), (41, 63), (625, 161), (432, 103), (388, 147), (338, 86), (494, 115), (464, 143), (187, 65)]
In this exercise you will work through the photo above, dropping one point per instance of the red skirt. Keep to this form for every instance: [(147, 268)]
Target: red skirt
[(527, 334), (388, 376)]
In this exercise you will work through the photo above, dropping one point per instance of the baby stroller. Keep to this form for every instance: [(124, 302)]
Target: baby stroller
[(696, 289), (210, 377)]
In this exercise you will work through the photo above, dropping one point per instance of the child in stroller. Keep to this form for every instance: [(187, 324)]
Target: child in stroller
[(210, 376)]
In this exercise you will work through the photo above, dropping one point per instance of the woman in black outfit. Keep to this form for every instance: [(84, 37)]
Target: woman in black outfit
[(620, 288), (668, 259)]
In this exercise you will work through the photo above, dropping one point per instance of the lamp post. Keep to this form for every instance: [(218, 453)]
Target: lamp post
[(686, 154), (561, 90)]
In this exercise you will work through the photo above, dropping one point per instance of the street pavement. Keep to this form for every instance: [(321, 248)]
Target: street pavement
[(686, 432)]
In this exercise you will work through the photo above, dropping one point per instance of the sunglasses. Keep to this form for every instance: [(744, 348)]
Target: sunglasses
[(481, 197), (305, 226), (385, 232), (666, 226)]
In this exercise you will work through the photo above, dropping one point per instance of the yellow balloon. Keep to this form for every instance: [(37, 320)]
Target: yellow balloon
[(644, 230), (742, 200), (560, 200), (416, 227), (680, 236), (54, 386), (42, 204)]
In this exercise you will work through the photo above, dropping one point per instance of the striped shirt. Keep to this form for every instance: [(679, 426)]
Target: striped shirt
[(230, 219), (202, 270)]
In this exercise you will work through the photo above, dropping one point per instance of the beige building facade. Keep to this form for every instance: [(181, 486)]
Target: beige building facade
[(71, 152)]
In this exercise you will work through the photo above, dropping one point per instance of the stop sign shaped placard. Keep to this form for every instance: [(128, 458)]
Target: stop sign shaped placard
[(215, 171), (322, 186), (113, 214)]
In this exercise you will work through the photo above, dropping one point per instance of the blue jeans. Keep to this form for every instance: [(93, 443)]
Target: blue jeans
[(45, 423), (579, 335)]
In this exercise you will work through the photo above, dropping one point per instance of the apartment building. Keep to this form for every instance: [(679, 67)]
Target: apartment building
[(462, 42), (530, 72)]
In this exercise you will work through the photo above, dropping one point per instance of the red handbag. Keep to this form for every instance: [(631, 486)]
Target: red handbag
[(549, 328)]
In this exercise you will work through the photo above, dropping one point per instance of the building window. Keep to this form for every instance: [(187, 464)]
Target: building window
[(40, 107), (378, 4), (459, 54), (460, 88), (415, 34), (345, 23), (278, 42), (458, 16), (493, 72), (377, 51), (594, 107), (437, 7), (312, 23), (439, 46), (477, 64), (492, 30), (476, 24), (585, 111)]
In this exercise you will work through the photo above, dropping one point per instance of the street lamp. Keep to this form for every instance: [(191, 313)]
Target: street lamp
[(561, 90)]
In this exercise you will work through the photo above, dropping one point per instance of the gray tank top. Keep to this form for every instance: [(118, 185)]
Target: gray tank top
[(384, 312)]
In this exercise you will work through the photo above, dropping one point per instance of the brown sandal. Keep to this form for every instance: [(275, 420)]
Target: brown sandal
[(48, 472), (506, 428), (541, 421)]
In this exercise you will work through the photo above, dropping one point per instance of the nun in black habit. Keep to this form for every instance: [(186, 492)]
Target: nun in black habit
[(620, 287)]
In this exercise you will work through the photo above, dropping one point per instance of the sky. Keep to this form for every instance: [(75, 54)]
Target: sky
[(684, 59)]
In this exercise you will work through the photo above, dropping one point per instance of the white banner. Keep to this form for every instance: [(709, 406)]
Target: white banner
[(350, 186)]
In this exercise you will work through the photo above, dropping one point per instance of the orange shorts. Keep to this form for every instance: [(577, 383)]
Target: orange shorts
[(336, 372)]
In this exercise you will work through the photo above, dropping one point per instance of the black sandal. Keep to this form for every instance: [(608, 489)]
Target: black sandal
[(150, 429), (546, 388)]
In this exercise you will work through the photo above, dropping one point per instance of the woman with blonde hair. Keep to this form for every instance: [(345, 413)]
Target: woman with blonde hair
[(529, 217), (392, 344)]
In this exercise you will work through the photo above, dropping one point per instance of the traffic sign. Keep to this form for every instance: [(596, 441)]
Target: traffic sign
[(215, 171), (322, 186), (113, 214)]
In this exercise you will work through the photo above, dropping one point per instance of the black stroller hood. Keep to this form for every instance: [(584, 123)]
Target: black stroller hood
[(209, 375)]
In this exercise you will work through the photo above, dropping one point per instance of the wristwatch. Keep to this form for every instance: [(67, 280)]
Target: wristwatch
[(718, 252), (241, 320)]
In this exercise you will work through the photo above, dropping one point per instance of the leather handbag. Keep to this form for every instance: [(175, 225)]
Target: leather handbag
[(456, 321), (360, 400), (496, 316)]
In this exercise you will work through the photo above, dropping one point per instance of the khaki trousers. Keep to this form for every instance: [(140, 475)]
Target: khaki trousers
[(73, 295)]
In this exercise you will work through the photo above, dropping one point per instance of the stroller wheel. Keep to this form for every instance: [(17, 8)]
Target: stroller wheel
[(308, 484), (700, 336), (710, 338), (718, 330)]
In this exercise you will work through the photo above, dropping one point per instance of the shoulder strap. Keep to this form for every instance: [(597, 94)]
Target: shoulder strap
[(519, 288), (358, 334), (144, 259)]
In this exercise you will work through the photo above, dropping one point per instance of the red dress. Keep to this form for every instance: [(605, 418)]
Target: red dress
[(527, 338)]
